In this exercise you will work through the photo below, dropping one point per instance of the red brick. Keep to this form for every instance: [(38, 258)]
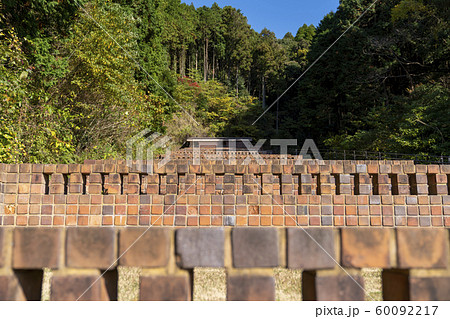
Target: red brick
[(164, 288), (332, 287), (36, 248), (310, 248), (365, 247), (91, 247), (422, 248), (250, 288), (10, 289), (79, 287), (150, 250)]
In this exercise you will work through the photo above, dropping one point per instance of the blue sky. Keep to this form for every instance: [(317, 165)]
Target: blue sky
[(278, 16)]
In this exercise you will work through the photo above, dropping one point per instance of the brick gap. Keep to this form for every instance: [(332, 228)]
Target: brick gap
[(47, 178), (394, 183), (432, 184), (31, 283), (111, 278), (316, 181), (104, 179), (66, 183), (143, 184), (84, 180), (374, 180), (448, 184), (162, 184), (355, 182), (412, 184), (337, 183)]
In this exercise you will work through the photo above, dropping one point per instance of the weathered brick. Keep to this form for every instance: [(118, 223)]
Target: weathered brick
[(429, 289), (200, 247), (310, 248), (164, 288), (36, 248), (10, 289), (2, 258), (365, 247), (250, 288), (79, 288), (422, 248), (150, 250), (255, 247), (332, 287), (91, 247)]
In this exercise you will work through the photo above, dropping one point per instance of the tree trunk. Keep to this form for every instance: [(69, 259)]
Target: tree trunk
[(237, 81), (263, 89), (183, 61), (213, 66), (174, 61), (205, 61)]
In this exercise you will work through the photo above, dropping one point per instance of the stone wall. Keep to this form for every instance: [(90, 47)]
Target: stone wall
[(415, 261), (325, 193)]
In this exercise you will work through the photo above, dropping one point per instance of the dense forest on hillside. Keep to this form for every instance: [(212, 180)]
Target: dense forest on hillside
[(80, 77)]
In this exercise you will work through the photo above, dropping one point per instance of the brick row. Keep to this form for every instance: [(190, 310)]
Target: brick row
[(414, 261)]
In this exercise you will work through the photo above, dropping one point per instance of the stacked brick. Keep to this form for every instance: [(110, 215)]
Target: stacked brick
[(415, 262), (215, 193)]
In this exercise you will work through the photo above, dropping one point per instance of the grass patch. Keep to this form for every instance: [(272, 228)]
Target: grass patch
[(210, 284)]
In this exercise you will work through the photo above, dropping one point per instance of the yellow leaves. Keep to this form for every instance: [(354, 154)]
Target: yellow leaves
[(407, 8)]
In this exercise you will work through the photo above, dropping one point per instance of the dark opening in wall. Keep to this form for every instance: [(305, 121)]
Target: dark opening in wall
[(299, 184), (47, 178), (337, 183), (394, 183), (448, 184), (31, 283), (121, 183), (374, 179), (143, 184), (162, 184), (104, 180), (111, 278), (432, 184), (84, 180), (355, 183), (412, 184), (66, 183), (316, 184)]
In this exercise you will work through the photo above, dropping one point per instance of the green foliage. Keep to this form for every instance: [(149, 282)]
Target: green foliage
[(220, 113), (78, 78)]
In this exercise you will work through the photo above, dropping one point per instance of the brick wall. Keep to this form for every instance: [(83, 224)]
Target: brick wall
[(415, 262), (326, 193)]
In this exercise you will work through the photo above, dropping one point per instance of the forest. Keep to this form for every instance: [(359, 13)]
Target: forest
[(78, 78)]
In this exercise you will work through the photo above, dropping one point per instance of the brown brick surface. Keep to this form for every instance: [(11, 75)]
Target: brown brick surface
[(332, 287), (36, 248), (422, 248), (255, 247), (164, 288), (365, 247), (144, 247), (2, 249), (429, 289), (250, 288), (10, 289), (78, 287), (91, 247), (310, 248), (200, 247)]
